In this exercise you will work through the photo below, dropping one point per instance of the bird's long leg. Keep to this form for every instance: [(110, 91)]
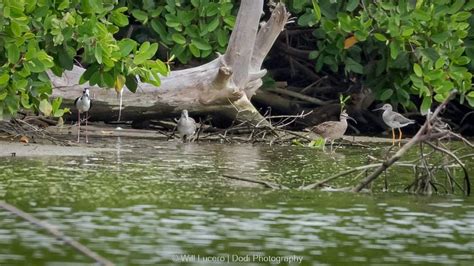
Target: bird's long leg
[(332, 142), (400, 138), (87, 113), (78, 125), (120, 106), (324, 145), (393, 137)]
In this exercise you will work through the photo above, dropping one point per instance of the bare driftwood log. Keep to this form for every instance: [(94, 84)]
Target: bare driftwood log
[(224, 85)]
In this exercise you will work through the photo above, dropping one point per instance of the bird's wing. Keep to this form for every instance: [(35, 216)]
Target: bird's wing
[(75, 101), (321, 127), (401, 119)]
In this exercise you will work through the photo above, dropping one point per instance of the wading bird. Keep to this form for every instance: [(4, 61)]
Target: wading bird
[(332, 130), (186, 126), (394, 120), (83, 104)]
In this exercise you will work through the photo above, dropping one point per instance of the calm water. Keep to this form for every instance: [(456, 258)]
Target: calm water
[(154, 202)]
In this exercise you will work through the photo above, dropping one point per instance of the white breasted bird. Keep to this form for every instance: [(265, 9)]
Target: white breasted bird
[(186, 126), (394, 120), (332, 130), (83, 105)]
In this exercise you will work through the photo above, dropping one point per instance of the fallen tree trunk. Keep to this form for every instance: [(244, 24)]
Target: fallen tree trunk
[(224, 85)]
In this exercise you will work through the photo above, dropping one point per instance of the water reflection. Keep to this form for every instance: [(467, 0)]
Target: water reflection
[(150, 201)]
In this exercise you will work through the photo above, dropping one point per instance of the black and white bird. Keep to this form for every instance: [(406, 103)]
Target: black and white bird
[(83, 105), (186, 126)]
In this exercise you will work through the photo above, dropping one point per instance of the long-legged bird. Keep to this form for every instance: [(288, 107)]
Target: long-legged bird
[(394, 120), (332, 130), (83, 105)]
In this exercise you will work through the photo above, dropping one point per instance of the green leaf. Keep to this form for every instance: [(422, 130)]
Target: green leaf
[(56, 103), (194, 50), (4, 78), (440, 63), (15, 27), (159, 28), (418, 70), (462, 16), (126, 46), (230, 21), (145, 52), (213, 24), (131, 83), (88, 73), (65, 57), (430, 54), (439, 97), (13, 53), (317, 10), (352, 5), (107, 79), (64, 4), (456, 6), (313, 55), (407, 32), (354, 66), (380, 37), (425, 105), (394, 50), (470, 98), (45, 107), (98, 54), (386, 95), (161, 67), (463, 60), (201, 44), (440, 37), (222, 37), (178, 38), (140, 15), (119, 18)]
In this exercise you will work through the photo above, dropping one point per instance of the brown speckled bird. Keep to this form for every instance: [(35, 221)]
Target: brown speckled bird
[(332, 130)]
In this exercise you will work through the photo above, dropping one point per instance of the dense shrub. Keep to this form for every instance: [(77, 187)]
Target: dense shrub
[(398, 48)]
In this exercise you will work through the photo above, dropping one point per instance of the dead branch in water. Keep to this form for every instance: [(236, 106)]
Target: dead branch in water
[(55, 232), (256, 181), (432, 129)]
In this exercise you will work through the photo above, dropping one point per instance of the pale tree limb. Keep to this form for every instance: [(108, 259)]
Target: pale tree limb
[(242, 40)]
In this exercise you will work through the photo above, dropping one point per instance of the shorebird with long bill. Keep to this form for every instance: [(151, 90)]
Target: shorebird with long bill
[(394, 120)]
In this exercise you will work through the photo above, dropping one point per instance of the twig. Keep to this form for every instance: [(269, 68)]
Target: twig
[(55, 232), (261, 182), (300, 96), (322, 182), (467, 181)]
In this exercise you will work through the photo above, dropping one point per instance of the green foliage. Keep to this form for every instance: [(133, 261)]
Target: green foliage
[(317, 143), (343, 100), (38, 36), (400, 48), (195, 28)]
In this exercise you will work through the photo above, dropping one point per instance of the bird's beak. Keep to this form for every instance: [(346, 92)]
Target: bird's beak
[(348, 117), (377, 109)]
